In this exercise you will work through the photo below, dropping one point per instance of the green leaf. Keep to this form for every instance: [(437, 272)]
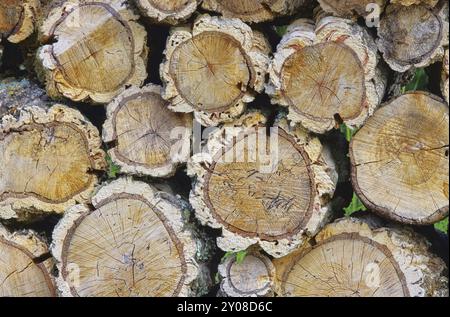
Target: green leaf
[(226, 256), (347, 132), (355, 205), (442, 225), (217, 278), (240, 256), (418, 82), (281, 30), (113, 169)]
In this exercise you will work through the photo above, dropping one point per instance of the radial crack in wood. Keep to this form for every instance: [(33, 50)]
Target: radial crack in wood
[(252, 277), (133, 241), (326, 73), (18, 19), (170, 12), (411, 36), (271, 190), (400, 159), (350, 259), (352, 8), (21, 272), (93, 50), (57, 152), (148, 138), (214, 69)]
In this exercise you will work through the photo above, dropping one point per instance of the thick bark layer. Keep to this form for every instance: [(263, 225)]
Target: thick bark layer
[(326, 73), (57, 152), (170, 12), (214, 69), (93, 50), (275, 198), (18, 19), (349, 258), (445, 73), (22, 274), (400, 159), (148, 138), (132, 241)]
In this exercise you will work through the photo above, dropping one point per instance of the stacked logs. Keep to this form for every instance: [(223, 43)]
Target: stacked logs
[(106, 151)]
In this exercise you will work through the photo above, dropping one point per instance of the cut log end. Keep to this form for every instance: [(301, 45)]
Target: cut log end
[(400, 159), (257, 197), (147, 138), (57, 153), (213, 69), (18, 19), (131, 242), (353, 8), (411, 36), (167, 12), (21, 273), (254, 276), (351, 259), (97, 63)]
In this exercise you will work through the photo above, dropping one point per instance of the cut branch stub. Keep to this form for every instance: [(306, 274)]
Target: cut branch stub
[(21, 272), (272, 190), (18, 19), (57, 153), (400, 159), (411, 36), (214, 69), (351, 259), (445, 73), (254, 276), (326, 73), (97, 50), (352, 8), (149, 139), (170, 12), (253, 10), (132, 242)]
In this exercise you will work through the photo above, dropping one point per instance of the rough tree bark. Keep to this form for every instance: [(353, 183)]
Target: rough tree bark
[(272, 191), (412, 36), (214, 69), (348, 258), (147, 138), (132, 241), (24, 271), (326, 73), (445, 73), (170, 12), (57, 152), (399, 159), (352, 8), (254, 276), (253, 10), (93, 50), (18, 19)]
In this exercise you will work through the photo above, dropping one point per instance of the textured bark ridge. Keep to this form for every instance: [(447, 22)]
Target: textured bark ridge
[(18, 19), (148, 138), (352, 8), (131, 242), (170, 12), (252, 277), (94, 50), (253, 10), (400, 159), (445, 72), (48, 161), (351, 259), (273, 193), (214, 69), (22, 274), (412, 36), (326, 73)]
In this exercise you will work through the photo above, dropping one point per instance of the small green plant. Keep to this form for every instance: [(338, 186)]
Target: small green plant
[(113, 169), (355, 205), (442, 225), (281, 30), (347, 131), (419, 81), (240, 256)]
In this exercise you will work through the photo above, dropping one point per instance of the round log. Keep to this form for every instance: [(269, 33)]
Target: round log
[(132, 241), (253, 277), (18, 19), (399, 159), (445, 72), (351, 259), (253, 10), (22, 273), (167, 12), (326, 73), (93, 50), (57, 152), (273, 191), (214, 69), (411, 36), (147, 138), (352, 8)]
